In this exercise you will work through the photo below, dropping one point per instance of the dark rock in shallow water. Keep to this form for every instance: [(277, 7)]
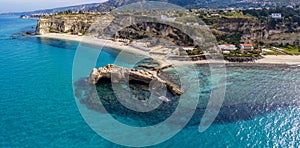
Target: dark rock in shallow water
[(105, 99), (28, 34)]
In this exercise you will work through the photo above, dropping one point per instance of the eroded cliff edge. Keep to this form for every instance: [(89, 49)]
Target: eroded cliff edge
[(252, 30), (72, 23), (260, 32)]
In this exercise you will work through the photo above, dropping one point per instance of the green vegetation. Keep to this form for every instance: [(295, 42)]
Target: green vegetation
[(292, 49), (228, 38), (130, 40), (272, 52), (264, 13), (68, 31), (214, 14), (53, 31), (260, 16), (218, 19), (79, 13), (238, 53), (212, 17), (196, 51), (66, 12), (235, 14)]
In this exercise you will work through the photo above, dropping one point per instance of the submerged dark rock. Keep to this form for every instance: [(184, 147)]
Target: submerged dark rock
[(105, 96)]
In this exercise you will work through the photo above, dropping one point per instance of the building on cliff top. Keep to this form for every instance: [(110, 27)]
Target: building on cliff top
[(276, 15)]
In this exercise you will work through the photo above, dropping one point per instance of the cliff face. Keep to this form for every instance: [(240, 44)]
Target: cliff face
[(150, 29), (108, 26), (268, 31), (248, 30), (74, 24)]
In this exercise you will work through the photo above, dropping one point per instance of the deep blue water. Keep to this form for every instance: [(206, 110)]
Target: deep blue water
[(38, 109)]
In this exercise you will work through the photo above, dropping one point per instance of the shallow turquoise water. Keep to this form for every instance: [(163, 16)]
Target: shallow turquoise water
[(261, 107)]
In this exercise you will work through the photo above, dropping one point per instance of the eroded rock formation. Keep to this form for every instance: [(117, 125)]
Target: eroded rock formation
[(150, 29), (122, 75)]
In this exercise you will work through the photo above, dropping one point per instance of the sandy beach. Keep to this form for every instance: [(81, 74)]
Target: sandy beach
[(280, 59), (93, 40), (270, 59)]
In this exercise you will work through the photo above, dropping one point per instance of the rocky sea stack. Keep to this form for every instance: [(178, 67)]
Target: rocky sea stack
[(122, 75)]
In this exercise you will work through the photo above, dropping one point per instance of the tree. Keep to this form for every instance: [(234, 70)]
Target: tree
[(68, 12), (130, 40), (111, 9)]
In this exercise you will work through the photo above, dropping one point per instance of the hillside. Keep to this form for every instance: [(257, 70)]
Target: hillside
[(77, 8), (189, 4), (254, 26)]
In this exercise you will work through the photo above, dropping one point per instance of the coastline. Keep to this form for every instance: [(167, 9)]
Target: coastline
[(280, 59), (93, 41), (270, 59)]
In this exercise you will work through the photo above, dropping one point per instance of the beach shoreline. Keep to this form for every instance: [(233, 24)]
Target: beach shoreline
[(270, 59), (93, 41)]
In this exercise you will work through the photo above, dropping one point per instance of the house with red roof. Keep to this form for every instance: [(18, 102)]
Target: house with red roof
[(246, 47)]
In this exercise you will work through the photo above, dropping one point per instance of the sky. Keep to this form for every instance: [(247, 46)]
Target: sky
[(29, 5)]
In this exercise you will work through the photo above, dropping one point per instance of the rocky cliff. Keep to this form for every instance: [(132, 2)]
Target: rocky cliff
[(73, 24), (150, 29), (120, 26), (248, 30), (268, 31)]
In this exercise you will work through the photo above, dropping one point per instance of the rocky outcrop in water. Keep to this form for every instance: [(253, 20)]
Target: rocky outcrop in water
[(122, 75)]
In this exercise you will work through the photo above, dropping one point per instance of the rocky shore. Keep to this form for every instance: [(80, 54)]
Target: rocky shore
[(122, 75), (242, 59)]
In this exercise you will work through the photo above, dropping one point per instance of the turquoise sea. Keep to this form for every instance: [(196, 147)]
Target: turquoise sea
[(38, 109)]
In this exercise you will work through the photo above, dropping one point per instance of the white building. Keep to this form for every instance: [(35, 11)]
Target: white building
[(227, 47), (165, 18), (226, 52), (188, 48), (276, 15)]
